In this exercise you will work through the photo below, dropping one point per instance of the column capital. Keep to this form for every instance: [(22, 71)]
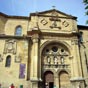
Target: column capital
[(35, 38), (74, 42)]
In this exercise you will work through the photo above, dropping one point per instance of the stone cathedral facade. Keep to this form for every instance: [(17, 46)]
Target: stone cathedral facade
[(45, 50)]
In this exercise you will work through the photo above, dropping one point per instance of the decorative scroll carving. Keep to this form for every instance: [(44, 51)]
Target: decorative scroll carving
[(10, 46)]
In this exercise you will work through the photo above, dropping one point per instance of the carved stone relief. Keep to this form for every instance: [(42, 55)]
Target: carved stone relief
[(65, 23), (18, 58), (10, 46), (55, 54), (55, 21), (44, 22), (74, 42)]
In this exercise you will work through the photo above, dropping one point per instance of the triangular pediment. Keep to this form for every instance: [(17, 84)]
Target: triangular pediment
[(53, 12)]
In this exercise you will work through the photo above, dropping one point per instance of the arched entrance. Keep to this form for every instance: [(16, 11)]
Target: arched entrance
[(54, 56), (48, 79), (64, 80)]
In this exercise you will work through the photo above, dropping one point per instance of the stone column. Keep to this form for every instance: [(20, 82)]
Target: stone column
[(34, 61)]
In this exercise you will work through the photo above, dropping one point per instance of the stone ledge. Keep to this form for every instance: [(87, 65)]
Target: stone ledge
[(77, 79)]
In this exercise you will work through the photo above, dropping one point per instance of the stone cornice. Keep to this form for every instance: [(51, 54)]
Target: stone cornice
[(14, 17), (82, 27), (43, 12), (15, 37)]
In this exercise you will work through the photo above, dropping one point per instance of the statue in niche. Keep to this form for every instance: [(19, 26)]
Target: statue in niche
[(10, 47), (62, 60), (65, 23), (55, 60), (48, 60)]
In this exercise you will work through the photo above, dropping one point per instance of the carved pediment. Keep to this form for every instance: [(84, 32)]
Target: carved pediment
[(53, 12), (53, 20)]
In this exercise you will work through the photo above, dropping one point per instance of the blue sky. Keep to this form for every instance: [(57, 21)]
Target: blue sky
[(25, 7)]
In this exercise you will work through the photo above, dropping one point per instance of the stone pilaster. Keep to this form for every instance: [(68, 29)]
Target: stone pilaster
[(76, 60), (77, 80), (34, 61), (56, 80)]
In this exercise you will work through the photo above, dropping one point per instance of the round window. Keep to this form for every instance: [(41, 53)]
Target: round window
[(47, 50), (54, 49), (62, 50)]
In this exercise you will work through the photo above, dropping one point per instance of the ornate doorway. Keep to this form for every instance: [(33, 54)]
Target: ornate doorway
[(54, 57), (64, 80), (48, 79)]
